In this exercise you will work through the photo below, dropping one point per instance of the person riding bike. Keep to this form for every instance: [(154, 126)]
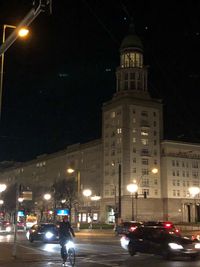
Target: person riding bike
[(65, 234)]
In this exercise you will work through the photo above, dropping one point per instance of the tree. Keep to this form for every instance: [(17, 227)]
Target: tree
[(65, 189)]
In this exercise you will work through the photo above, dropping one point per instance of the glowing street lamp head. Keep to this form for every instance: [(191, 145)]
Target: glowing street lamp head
[(1, 202), (194, 190), (2, 187), (47, 196), (70, 170), (23, 32), (132, 188), (95, 198), (154, 170), (87, 192)]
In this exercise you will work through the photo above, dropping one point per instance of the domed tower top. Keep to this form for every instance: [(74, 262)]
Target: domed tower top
[(132, 74), (131, 40)]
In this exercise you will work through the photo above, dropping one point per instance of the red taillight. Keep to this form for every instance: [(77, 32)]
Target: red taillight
[(177, 230), (168, 225), (132, 228)]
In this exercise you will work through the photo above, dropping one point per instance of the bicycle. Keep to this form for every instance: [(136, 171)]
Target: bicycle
[(68, 253)]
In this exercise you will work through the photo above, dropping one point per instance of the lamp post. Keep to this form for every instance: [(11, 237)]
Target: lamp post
[(132, 188), (21, 33), (47, 197), (194, 191), (87, 193)]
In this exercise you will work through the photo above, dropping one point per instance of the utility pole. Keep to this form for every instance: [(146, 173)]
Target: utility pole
[(119, 189)]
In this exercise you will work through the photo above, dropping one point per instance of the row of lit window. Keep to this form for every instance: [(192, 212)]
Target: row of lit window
[(177, 193), (143, 113), (195, 174), (146, 190), (41, 164), (184, 183), (176, 163)]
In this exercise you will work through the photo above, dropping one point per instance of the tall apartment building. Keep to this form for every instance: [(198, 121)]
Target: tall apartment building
[(131, 147)]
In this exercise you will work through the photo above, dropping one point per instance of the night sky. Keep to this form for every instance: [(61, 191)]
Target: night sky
[(56, 81)]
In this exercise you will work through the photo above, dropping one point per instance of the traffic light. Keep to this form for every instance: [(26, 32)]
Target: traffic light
[(145, 194)]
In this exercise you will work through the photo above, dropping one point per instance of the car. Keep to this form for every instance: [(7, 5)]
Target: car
[(21, 225), (5, 226), (159, 241), (45, 232), (166, 224), (126, 227)]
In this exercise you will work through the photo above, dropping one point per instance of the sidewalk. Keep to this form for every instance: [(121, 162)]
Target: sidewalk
[(26, 257)]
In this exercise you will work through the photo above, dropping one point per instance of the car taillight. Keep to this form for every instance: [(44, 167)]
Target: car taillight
[(168, 225), (132, 228)]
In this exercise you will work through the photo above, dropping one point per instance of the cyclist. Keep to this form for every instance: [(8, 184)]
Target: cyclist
[(65, 234)]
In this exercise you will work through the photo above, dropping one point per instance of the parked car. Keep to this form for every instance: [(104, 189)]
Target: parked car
[(5, 226), (126, 227), (158, 240), (45, 232)]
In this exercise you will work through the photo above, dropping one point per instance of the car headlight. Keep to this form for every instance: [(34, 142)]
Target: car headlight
[(197, 245), (8, 229), (175, 246), (48, 235)]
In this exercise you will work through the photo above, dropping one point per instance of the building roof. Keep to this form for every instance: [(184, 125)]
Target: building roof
[(131, 39)]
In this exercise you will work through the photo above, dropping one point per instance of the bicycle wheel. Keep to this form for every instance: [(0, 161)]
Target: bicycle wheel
[(71, 256)]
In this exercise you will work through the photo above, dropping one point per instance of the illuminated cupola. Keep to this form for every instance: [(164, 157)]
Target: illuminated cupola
[(131, 74)]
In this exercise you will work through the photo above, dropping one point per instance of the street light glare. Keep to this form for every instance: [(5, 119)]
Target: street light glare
[(70, 170), (87, 192), (2, 187), (154, 170), (23, 32), (194, 190), (47, 196), (132, 188)]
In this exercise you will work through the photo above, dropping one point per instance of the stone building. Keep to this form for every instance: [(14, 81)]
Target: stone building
[(131, 147)]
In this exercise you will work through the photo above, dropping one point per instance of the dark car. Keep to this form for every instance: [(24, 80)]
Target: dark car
[(126, 227), (166, 224), (160, 241), (46, 232)]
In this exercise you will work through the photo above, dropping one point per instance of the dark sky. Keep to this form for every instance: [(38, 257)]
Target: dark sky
[(56, 81)]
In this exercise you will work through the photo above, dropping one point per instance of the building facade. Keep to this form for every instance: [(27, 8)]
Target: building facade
[(131, 147)]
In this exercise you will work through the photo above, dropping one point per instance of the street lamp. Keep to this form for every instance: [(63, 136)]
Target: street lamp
[(132, 188), (70, 171), (2, 187), (21, 33), (194, 191), (87, 193)]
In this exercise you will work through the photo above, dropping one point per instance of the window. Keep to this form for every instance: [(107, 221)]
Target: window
[(144, 133), (144, 113), (173, 163), (145, 191), (134, 140), (194, 164), (113, 114), (145, 161), (145, 172), (119, 130), (144, 141)]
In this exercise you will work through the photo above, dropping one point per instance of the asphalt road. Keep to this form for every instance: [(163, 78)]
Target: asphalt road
[(91, 252)]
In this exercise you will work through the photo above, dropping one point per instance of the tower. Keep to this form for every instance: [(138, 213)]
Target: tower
[(131, 133)]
